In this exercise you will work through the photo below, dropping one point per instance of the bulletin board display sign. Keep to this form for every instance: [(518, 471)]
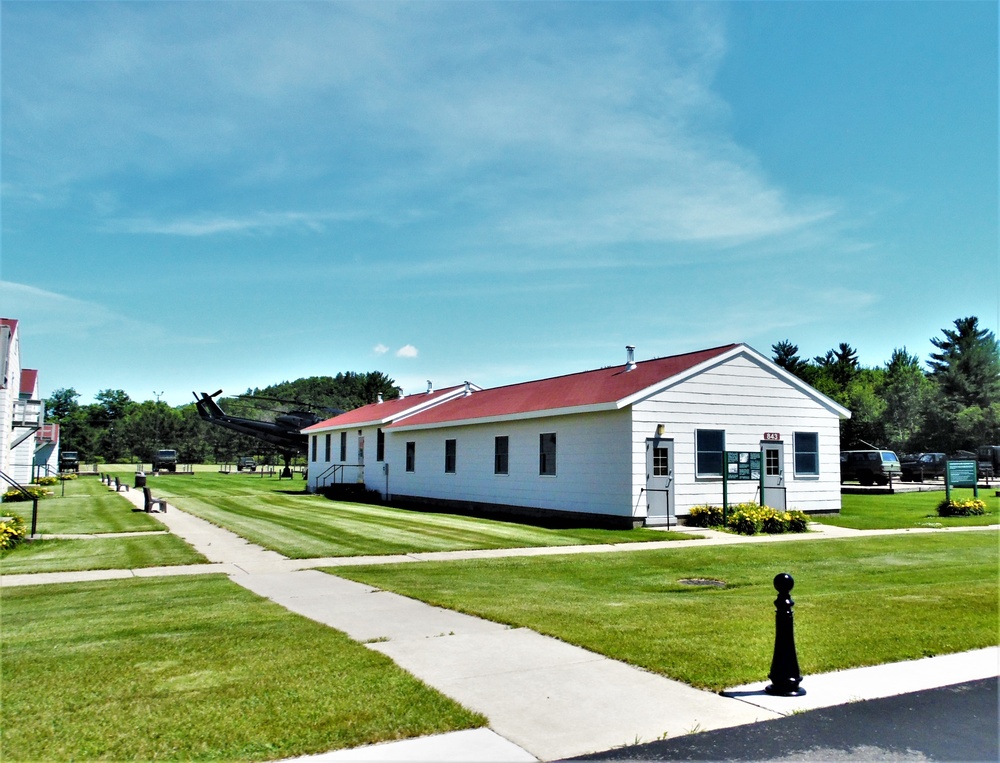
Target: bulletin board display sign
[(742, 465)]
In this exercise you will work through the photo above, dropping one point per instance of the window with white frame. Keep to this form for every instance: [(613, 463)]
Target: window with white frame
[(411, 456), (547, 453), (501, 454), (329, 440), (806, 453), (450, 450), (315, 446), (709, 446), (343, 447)]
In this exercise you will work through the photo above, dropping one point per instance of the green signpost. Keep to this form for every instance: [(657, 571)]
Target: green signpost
[(740, 466), (961, 474)]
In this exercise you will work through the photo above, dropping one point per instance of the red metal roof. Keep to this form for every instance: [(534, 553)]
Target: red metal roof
[(588, 388), (379, 413), (12, 322), (29, 380)]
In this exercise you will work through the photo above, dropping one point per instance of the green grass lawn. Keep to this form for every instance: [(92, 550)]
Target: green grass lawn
[(902, 510), (86, 506), (280, 516), (127, 553), (859, 601), (194, 669)]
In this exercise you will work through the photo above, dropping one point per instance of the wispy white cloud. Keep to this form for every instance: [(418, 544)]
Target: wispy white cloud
[(380, 349), (549, 129), (203, 225), (51, 315)]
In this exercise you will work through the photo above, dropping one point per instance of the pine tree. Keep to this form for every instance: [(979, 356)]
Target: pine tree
[(967, 368)]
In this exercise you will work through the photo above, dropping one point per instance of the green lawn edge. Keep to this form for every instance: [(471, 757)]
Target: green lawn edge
[(860, 601)]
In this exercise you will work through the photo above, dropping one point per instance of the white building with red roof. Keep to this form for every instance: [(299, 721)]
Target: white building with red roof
[(337, 446), (639, 443), (22, 410)]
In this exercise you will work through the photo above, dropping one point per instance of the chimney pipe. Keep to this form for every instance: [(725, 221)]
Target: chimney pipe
[(629, 357), (468, 388), (379, 398), (430, 387)]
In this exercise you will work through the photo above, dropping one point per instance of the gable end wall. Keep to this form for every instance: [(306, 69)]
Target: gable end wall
[(745, 399)]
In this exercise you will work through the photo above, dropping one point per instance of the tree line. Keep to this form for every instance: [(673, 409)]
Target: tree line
[(949, 405), (117, 429)]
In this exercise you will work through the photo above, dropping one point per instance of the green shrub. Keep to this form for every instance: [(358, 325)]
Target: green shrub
[(747, 521), (968, 508), (45, 481), (797, 521), (69, 476), (705, 516), (774, 522), (12, 531), (34, 491)]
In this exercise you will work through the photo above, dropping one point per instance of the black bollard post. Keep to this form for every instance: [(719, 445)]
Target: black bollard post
[(784, 675)]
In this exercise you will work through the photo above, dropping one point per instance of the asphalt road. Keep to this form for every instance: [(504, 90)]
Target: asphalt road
[(952, 723)]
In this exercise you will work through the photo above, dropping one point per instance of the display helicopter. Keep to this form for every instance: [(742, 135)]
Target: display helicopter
[(285, 432)]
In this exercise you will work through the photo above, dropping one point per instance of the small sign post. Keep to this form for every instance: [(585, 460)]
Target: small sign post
[(961, 473)]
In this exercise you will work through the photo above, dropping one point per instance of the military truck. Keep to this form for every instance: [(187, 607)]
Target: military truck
[(988, 461), (69, 461), (165, 460)]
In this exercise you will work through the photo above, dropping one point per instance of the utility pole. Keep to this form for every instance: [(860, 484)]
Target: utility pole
[(156, 422)]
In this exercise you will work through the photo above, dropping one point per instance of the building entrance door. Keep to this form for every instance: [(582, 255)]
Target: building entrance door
[(660, 482), (773, 456)]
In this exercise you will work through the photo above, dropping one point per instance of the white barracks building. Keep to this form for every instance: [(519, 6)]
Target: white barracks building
[(639, 443)]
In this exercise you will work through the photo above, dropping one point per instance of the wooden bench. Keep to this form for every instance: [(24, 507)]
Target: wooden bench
[(119, 485), (150, 502)]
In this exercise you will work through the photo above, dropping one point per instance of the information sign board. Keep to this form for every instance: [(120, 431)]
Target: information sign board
[(742, 465), (961, 473)]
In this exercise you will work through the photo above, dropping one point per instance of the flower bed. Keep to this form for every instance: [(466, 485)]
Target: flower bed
[(968, 508), (749, 519)]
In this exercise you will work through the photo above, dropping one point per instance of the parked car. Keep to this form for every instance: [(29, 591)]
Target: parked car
[(869, 467), (69, 461), (246, 462), (922, 466)]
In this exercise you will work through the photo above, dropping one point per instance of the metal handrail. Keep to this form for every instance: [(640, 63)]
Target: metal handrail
[(335, 468), (25, 491)]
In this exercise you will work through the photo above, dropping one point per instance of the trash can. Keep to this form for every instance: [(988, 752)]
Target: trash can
[(140, 479)]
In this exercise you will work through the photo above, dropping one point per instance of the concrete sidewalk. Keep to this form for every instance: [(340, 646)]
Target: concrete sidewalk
[(544, 699)]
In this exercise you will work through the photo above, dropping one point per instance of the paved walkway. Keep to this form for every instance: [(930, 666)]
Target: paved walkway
[(545, 699)]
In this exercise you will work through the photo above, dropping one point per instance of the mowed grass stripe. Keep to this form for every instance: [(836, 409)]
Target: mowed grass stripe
[(298, 525), (859, 601), (194, 669), (85, 505)]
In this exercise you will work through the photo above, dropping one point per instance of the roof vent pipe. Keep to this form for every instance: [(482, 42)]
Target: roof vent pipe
[(629, 357), (378, 399), (468, 388), (430, 387)]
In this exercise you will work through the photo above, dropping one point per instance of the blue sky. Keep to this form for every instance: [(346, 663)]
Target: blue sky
[(205, 195)]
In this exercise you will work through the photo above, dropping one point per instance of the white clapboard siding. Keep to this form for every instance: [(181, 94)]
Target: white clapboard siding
[(746, 399), (593, 470)]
